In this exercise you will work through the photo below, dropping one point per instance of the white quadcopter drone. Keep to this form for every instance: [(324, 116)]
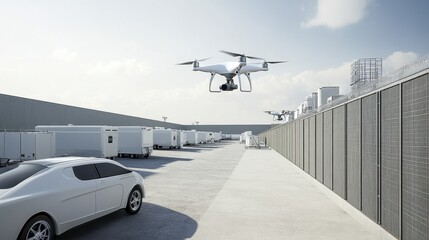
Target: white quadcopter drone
[(231, 69), (279, 115)]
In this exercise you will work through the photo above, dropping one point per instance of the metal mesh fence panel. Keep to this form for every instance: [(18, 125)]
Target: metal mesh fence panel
[(312, 146), (301, 144), (390, 175), (369, 157), (353, 154), (339, 153), (306, 146), (327, 149), (319, 147), (415, 135)]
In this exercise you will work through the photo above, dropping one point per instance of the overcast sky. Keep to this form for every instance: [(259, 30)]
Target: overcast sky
[(120, 56)]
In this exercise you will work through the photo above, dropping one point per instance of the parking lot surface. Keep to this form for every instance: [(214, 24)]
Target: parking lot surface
[(224, 191), (180, 184)]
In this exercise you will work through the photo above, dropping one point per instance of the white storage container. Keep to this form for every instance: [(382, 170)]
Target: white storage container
[(135, 141), (164, 138), (84, 141)]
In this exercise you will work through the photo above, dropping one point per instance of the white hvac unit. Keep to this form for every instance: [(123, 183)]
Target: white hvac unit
[(252, 141), (135, 141), (164, 138), (84, 141), (191, 137), (27, 145), (244, 136)]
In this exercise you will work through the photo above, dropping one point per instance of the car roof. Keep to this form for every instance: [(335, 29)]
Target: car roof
[(51, 162)]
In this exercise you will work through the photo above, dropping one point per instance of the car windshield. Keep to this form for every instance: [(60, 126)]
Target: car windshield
[(10, 176)]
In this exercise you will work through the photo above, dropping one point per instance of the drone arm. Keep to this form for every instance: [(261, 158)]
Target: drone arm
[(250, 82), (210, 84)]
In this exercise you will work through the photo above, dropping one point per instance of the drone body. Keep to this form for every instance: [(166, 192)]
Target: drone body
[(279, 115), (229, 70)]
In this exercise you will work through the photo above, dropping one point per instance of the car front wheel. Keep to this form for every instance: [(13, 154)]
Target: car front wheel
[(39, 227), (134, 201)]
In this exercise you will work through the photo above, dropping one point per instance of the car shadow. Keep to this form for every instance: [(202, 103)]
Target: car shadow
[(153, 222), (154, 162)]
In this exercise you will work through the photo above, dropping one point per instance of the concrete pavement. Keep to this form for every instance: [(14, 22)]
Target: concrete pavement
[(267, 197), (223, 191)]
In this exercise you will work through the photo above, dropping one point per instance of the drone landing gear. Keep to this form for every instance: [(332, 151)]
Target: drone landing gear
[(210, 84), (250, 82)]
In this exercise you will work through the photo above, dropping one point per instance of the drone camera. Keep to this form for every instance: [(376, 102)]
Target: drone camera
[(228, 87), (196, 64)]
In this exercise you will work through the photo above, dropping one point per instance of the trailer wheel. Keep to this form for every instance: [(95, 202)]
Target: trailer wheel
[(146, 155)]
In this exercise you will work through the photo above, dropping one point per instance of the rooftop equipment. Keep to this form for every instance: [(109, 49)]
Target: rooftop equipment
[(364, 71)]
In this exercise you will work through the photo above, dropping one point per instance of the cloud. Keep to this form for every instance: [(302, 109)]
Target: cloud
[(128, 67), (337, 13), (397, 60), (286, 92), (64, 54)]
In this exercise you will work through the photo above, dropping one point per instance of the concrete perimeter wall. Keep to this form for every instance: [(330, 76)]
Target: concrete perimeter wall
[(372, 151)]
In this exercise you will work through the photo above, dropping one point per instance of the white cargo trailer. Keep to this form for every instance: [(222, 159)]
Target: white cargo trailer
[(135, 141), (12, 145), (27, 145), (181, 139), (211, 137), (205, 137), (84, 140), (164, 138), (191, 137), (217, 136)]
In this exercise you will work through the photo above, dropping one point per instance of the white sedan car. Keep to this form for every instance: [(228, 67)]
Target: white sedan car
[(43, 198)]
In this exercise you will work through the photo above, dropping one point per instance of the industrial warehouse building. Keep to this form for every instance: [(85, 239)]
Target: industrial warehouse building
[(24, 114), (372, 150)]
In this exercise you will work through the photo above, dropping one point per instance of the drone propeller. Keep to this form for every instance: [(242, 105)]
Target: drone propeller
[(274, 62), (240, 55), (192, 62)]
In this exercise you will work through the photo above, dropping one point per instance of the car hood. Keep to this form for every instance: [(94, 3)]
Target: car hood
[(3, 191)]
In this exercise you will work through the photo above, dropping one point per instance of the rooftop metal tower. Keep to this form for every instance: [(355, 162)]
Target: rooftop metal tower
[(364, 71)]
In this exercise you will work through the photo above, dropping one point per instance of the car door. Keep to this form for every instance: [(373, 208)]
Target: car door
[(110, 189), (78, 202)]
